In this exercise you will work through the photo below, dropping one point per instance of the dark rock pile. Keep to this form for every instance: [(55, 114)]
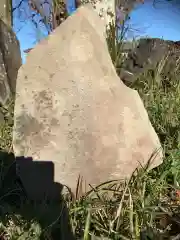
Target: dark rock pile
[(147, 55)]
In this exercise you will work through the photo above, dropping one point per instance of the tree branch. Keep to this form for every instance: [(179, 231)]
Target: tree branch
[(18, 6)]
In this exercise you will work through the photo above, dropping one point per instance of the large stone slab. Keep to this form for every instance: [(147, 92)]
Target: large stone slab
[(72, 109)]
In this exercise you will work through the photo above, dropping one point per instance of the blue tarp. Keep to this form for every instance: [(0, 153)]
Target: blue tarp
[(70, 6)]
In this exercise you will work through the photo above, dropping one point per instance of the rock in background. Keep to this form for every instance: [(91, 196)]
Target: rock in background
[(10, 62), (72, 109), (146, 56)]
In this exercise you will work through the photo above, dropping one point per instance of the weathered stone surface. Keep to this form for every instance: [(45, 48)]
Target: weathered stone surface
[(2, 121), (6, 11), (10, 61), (72, 109)]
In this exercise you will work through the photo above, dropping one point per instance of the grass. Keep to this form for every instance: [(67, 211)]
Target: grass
[(145, 207)]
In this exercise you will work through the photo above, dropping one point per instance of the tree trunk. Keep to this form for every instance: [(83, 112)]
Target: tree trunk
[(6, 11)]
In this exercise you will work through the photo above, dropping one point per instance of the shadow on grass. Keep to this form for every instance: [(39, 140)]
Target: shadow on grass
[(39, 200)]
